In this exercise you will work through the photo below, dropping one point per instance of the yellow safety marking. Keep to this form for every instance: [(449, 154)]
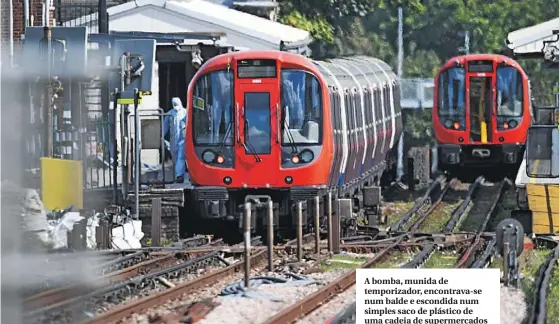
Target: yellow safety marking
[(483, 132), (534, 170), (61, 183), (542, 205), (482, 123), (541, 223), (128, 101)]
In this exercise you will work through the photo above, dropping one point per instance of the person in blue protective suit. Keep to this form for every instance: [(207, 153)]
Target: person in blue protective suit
[(177, 122)]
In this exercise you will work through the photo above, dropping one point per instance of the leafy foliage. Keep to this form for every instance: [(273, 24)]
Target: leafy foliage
[(318, 27)]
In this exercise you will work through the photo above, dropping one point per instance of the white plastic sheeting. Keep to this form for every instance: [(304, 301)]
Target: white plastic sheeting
[(35, 216), (127, 236), (58, 231), (55, 232)]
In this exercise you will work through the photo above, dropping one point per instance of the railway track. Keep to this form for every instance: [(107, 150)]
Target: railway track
[(112, 303), (415, 217), (130, 272)]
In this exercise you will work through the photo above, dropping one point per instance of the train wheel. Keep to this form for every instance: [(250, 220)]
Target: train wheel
[(508, 225)]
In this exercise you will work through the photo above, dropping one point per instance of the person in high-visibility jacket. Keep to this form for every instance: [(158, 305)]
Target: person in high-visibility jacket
[(177, 121)]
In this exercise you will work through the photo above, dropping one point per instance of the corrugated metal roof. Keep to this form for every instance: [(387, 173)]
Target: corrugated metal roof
[(530, 40), (229, 20)]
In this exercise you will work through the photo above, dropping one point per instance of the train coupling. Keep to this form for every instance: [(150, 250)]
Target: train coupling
[(259, 211)]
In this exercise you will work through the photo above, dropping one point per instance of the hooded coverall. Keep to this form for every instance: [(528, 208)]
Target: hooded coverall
[(177, 121)]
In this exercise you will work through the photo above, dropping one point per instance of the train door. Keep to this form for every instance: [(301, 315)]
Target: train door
[(257, 148), (481, 108)]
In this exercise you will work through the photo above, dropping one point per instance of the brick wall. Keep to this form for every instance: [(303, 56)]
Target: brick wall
[(35, 18)]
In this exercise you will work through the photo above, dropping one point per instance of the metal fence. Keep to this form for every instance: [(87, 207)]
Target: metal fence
[(82, 13), (79, 132)]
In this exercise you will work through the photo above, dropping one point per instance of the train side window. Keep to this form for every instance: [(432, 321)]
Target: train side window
[(301, 101), (397, 105), (357, 108), (387, 93), (354, 116), (332, 107), (347, 111), (367, 103), (378, 105), (338, 111), (213, 96)]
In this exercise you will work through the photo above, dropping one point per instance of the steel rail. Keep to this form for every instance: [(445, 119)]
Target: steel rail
[(313, 301), (468, 257), (118, 313)]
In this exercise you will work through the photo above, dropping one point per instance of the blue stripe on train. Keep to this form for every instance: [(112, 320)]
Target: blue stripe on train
[(361, 169), (341, 180)]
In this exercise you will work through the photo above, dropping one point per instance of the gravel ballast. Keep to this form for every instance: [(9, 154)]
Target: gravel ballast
[(243, 310)]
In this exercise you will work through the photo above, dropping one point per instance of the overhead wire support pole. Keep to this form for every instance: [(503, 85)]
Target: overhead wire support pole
[(115, 149), (400, 163), (137, 146), (48, 112), (124, 149)]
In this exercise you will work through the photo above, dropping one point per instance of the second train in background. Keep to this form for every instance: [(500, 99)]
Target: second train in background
[(482, 112)]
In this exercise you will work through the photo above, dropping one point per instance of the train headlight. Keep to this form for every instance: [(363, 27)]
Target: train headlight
[(209, 156), (456, 125), (220, 159), (512, 123), (307, 156), (448, 124), (295, 159)]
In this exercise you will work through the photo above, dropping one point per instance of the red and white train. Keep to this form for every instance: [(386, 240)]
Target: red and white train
[(482, 112), (276, 124)]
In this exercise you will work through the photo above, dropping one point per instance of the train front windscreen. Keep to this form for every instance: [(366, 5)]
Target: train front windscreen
[(451, 104)]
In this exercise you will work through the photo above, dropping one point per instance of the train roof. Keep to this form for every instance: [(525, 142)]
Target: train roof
[(475, 57), (224, 59), (339, 72)]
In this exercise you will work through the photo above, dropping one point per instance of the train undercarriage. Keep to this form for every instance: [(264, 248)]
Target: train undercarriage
[(460, 159), (227, 206)]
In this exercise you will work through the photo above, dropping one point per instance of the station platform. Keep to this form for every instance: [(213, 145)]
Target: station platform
[(539, 167), (541, 195)]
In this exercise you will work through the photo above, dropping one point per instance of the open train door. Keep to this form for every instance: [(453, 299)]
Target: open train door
[(480, 98)]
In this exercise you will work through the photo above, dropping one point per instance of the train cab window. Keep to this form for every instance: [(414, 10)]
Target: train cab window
[(212, 109), (301, 101), (258, 118), (451, 94), (510, 92)]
